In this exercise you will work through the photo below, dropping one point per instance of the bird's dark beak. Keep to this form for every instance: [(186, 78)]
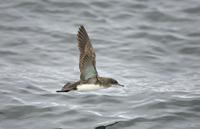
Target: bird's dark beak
[(120, 85)]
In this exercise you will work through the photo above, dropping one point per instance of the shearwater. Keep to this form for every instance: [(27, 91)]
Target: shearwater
[(89, 79)]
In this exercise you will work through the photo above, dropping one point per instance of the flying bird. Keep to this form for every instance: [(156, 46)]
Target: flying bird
[(89, 78)]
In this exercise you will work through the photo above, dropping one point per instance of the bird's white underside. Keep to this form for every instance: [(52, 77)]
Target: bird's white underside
[(86, 87)]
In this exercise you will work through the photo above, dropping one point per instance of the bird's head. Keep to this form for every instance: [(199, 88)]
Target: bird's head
[(115, 82)]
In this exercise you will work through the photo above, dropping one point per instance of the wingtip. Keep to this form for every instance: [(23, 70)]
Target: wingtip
[(59, 91), (82, 34), (81, 26), (62, 91)]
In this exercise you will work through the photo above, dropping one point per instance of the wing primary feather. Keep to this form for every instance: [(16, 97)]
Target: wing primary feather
[(87, 61)]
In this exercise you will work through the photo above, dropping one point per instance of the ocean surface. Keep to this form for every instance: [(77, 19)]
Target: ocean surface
[(150, 46)]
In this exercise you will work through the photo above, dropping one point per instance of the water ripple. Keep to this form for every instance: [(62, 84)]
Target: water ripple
[(152, 47)]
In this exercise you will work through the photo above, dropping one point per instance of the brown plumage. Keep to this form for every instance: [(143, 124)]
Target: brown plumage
[(87, 65), (87, 61)]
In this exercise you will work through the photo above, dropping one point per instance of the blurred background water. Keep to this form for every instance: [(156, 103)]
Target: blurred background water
[(151, 46)]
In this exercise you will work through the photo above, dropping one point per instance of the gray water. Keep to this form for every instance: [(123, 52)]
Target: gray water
[(150, 46)]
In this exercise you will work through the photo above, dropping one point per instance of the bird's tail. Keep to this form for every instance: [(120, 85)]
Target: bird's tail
[(67, 87)]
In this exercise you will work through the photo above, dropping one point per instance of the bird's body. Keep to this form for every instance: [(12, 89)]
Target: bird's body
[(89, 79), (86, 87)]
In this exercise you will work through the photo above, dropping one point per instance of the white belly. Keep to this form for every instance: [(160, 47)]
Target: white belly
[(86, 87)]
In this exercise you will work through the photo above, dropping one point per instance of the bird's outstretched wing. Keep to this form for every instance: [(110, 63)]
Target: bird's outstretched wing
[(87, 62)]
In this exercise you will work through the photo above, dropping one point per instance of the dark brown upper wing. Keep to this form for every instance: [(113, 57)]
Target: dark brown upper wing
[(87, 62)]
